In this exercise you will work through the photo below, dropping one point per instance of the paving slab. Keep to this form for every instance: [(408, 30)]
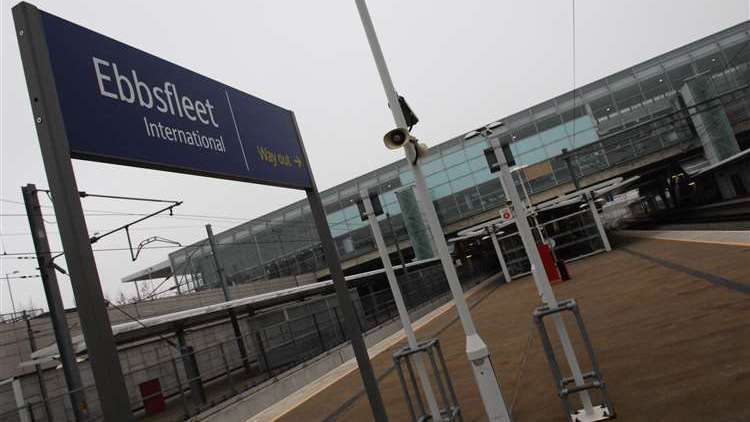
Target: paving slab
[(672, 344)]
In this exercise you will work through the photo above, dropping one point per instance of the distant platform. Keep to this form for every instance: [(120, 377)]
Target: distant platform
[(668, 320), (727, 237)]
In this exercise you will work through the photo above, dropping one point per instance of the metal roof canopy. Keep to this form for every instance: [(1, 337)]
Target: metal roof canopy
[(167, 324), (736, 157), (162, 269), (599, 189)]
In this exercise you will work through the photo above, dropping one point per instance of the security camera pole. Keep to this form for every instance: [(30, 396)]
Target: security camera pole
[(424, 378), (537, 268), (476, 349)]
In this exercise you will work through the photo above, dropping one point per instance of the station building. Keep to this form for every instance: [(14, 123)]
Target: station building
[(665, 119)]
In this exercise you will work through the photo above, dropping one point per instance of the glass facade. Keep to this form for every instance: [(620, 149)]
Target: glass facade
[(606, 123)]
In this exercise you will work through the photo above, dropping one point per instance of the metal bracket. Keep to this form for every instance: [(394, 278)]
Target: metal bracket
[(566, 385), (405, 356)]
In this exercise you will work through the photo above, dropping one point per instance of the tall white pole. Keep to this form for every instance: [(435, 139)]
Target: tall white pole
[(499, 253), (403, 314), (537, 270), (597, 220), (476, 349)]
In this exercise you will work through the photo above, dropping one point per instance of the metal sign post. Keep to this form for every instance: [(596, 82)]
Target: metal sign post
[(97, 332), (342, 295), (55, 303), (398, 298), (476, 349)]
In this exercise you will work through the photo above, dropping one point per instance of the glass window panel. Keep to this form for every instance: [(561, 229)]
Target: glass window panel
[(584, 138), (453, 158), (406, 177), (602, 103), (655, 85), (527, 144), (479, 162), (387, 197), (551, 135), (432, 166), (678, 74), (335, 217), (457, 171), (483, 175), (462, 183), (548, 123), (525, 132), (337, 229), (476, 150), (351, 212), (737, 53), (436, 179), (556, 148), (532, 157), (579, 124), (440, 191), (712, 63)]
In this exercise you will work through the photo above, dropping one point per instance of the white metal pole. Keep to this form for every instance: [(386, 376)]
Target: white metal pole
[(23, 411), (537, 270), (598, 221), (529, 205), (403, 314), (476, 349), (499, 252)]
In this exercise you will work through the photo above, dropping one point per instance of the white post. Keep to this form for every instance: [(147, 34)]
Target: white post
[(499, 252), (598, 221), (23, 411), (476, 350), (537, 270), (403, 314)]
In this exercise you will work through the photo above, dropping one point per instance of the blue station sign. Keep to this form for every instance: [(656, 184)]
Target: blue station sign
[(124, 106)]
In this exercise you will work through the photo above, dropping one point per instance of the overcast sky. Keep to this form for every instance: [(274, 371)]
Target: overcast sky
[(461, 64)]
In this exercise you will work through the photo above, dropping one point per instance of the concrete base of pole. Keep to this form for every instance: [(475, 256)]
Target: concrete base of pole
[(600, 413)]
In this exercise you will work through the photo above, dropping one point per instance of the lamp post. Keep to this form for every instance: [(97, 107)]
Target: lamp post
[(537, 268), (476, 350), (424, 378)]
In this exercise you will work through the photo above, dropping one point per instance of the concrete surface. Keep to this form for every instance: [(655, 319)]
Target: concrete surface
[(668, 319)]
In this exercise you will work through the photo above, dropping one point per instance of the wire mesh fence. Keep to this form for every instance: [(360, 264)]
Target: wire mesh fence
[(177, 377)]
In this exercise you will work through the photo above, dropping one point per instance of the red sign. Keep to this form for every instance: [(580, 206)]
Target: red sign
[(505, 214)]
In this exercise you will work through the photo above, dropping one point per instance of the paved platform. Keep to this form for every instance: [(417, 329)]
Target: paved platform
[(668, 319)]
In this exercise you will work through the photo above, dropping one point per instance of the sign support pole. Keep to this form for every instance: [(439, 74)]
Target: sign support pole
[(55, 303), (403, 313), (92, 311), (342, 293), (476, 349)]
